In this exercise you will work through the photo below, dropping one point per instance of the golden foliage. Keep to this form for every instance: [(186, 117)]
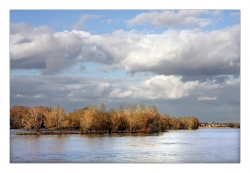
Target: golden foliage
[(96, 119)]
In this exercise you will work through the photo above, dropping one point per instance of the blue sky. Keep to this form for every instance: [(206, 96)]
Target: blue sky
[(108, 21), (186, 62)]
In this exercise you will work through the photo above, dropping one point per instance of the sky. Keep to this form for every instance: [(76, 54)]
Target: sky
[(185, 62)]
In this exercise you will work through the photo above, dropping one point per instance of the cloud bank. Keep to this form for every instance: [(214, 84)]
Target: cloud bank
[(174, 52), (153, 88)]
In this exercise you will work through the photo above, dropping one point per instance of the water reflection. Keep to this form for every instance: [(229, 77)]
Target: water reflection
[(180, 146)]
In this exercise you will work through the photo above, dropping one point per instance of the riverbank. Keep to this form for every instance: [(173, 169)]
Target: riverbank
[(46, 133), (69, 132)]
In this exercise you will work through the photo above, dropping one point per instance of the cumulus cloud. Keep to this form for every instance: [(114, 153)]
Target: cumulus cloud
[(207, 98), (171, 18), (20, 28), (38, 96), (188, 52), (161, 87), (174, 52), (83, 19), (51, 52)]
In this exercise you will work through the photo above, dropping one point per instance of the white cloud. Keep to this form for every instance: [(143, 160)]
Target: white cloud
[(101, 87), (185, 52), (217, 12), (158, 87), (38, 96), (19, 96), (174, 52), (207, 98), (168, 87), (171, 18), (83, 19), (118, 93)]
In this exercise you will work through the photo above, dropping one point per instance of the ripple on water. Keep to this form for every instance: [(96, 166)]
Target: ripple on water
[(200, 146)]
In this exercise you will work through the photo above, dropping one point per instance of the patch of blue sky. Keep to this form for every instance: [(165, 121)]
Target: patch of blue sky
[(90, 69), (61, 20), (94, 70), (109, 20), (232, 76), (227, 18), (24, 72)]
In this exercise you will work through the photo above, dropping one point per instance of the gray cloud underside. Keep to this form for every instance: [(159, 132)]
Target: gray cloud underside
[(153, 88), (174, 52)]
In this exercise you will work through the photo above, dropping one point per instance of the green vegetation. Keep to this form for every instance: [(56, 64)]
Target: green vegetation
[(96, 119)]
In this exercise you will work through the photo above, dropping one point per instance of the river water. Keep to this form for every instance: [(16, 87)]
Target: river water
[(174, 146)]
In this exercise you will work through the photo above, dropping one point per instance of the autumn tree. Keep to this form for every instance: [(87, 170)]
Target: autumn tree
[(122, 121), (17, 114), (233, 125), (149, 120), (131, 112), (86, 120), (164, 122), (114, 120), (105, 118), (34, 119), (175, 123), (96, 119), (73, 119), (54, 117)]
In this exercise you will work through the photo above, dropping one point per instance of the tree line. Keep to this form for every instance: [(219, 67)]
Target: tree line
[(96, 119), (233, 125)]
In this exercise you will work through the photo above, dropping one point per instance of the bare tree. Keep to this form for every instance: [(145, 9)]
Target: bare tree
[(54, 117), (35, 118)]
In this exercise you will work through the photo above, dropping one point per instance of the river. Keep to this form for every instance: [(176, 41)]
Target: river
[(174, 146)]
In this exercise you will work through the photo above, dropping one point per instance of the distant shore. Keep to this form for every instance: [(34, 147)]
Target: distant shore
[(200, 127)]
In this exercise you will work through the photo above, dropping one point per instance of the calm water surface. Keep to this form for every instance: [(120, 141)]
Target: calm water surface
[(175, 146)]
